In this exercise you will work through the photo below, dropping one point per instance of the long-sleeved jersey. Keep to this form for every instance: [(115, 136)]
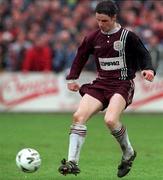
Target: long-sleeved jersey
[(117, 56)]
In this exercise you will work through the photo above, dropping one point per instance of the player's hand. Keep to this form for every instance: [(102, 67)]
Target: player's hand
[(148, 75), (73, 86)]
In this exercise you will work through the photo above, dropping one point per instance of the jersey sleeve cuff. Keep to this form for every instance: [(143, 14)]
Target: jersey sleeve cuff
[(71, 80)]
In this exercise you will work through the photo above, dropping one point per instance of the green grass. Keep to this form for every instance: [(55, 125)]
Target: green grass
[(48, 133)]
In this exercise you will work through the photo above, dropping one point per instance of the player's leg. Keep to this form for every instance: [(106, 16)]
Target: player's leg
[(112, 118), (115, 108), (87, 107)]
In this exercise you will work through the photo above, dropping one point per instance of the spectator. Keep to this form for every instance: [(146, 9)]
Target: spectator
[(155, 50), (58, 58), (16, 52), (2, 56), (38, 57), (60, 51), (70, 55)]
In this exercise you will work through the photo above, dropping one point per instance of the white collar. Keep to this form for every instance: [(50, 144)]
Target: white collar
[(112, 31)]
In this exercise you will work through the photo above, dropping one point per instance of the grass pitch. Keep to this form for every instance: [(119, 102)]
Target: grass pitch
[(100, 156)]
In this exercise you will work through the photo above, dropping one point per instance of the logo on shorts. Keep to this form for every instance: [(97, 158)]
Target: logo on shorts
[(118, 46)]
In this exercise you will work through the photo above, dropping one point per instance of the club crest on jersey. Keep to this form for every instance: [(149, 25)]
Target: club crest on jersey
[(118, 46)]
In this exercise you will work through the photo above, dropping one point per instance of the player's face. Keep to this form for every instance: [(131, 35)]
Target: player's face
[(105, 22)]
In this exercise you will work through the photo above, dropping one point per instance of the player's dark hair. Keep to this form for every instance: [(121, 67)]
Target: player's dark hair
[(107, 7)]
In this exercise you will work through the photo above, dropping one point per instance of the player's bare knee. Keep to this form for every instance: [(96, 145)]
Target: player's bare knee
[(110, 121), (78, 118)]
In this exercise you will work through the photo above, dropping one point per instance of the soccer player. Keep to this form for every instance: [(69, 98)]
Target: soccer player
[(119, 54)]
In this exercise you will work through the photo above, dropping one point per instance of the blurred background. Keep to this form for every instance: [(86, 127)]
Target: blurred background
[(43, 35), (60, 25)]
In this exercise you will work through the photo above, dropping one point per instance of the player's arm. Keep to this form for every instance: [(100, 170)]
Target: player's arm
[(84, 50), (143, 58)]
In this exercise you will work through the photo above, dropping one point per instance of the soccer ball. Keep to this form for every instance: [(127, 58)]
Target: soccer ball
[(28, 160)]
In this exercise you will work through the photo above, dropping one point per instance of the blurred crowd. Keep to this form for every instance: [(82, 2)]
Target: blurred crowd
[(43, 35)]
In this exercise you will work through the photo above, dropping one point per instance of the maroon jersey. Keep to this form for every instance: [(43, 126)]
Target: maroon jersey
[(117, 56)]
